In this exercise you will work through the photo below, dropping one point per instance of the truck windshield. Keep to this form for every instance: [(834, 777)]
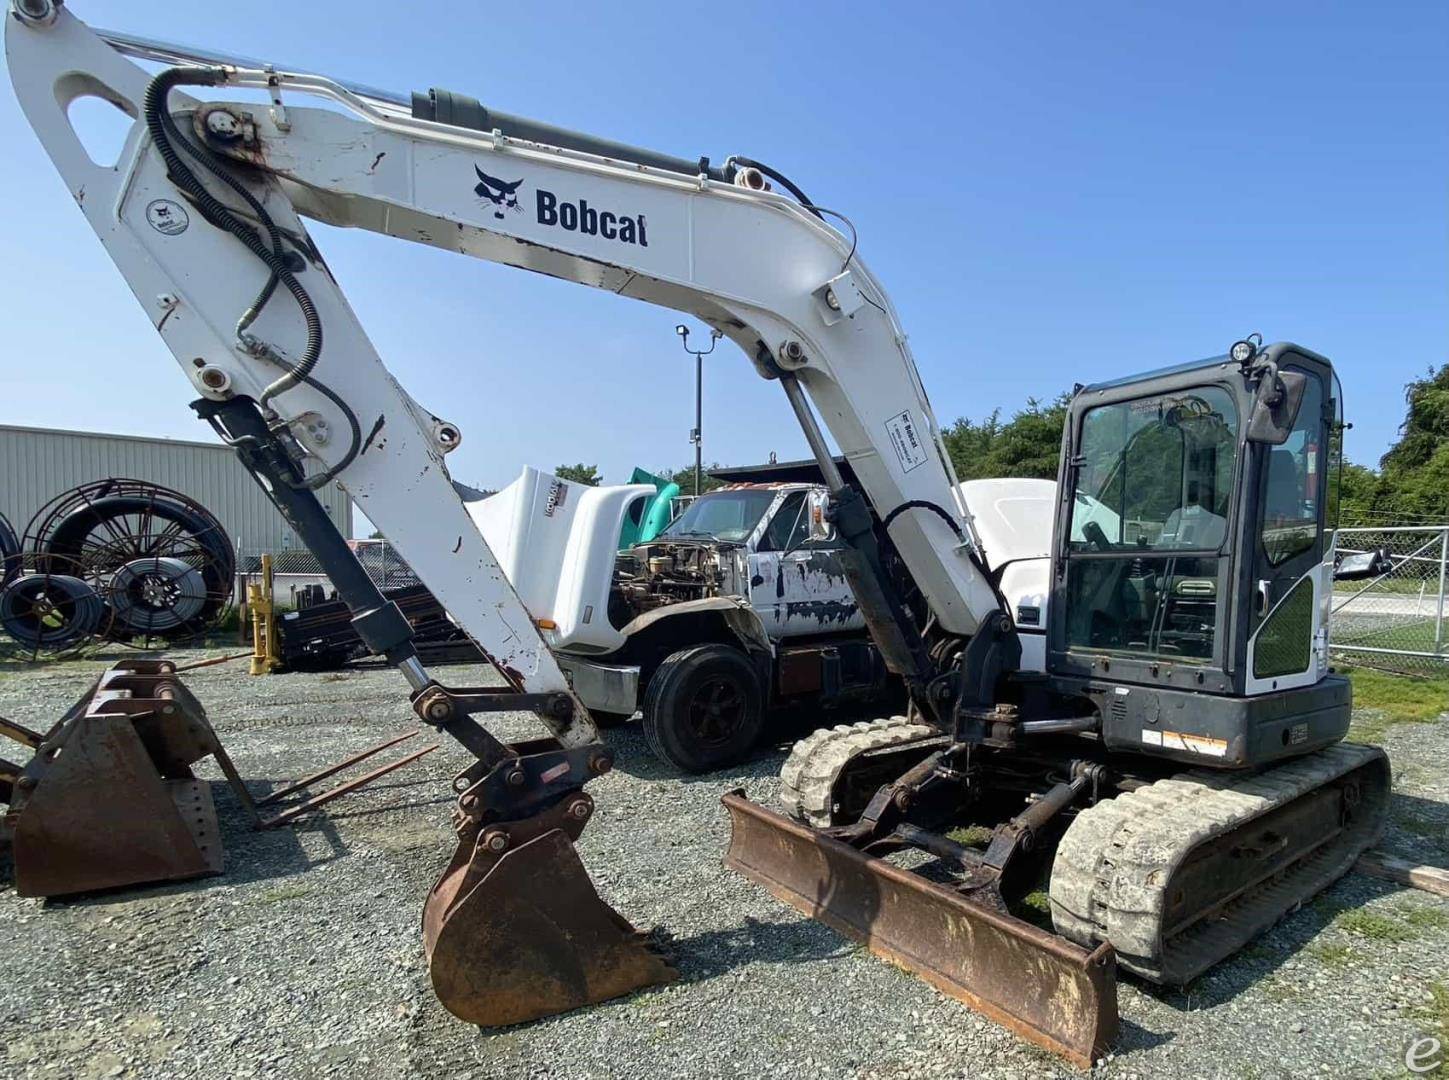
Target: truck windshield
[(722, 515)]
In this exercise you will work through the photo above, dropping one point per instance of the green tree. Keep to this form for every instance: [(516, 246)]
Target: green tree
[(684, 477), (1413, 482), (1357, 487), (580, 474), (1026, 445)]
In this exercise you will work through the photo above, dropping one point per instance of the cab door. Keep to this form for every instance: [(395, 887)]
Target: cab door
[(1288, 584), (798, 585)]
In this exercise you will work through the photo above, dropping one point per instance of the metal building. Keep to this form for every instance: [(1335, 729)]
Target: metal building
[(37, 464)]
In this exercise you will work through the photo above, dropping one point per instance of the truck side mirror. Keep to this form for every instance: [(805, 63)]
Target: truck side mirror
[(817, 526)]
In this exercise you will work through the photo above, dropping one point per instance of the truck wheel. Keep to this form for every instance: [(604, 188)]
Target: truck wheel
[(703, 709)]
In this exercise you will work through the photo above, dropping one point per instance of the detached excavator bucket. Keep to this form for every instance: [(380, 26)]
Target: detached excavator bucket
[(109, 799), (514, 929), (1040, 986)]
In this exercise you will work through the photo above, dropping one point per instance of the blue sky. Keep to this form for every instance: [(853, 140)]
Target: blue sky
[(1050, 192)]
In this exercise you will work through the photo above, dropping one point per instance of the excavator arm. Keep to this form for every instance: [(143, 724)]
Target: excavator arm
[(203, 214)]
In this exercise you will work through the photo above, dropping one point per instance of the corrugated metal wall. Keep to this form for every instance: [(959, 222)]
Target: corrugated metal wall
[(37, 464)]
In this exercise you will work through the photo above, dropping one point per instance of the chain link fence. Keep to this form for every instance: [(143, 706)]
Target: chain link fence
[(1395, 613), (298, 579)]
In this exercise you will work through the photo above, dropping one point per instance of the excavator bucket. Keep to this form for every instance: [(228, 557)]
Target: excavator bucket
[(109, 798), (514, 929), (1042, 987)]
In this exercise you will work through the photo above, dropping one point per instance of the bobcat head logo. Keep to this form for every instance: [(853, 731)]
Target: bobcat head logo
[(501, 194)]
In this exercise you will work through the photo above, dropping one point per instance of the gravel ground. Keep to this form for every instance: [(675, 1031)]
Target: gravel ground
[(305, 959)]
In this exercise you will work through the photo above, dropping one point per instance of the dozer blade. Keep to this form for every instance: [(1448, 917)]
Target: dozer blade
[(514, 929), (1042, 987)]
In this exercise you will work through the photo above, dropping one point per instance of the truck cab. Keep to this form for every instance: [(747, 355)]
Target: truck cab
[(731, 611)]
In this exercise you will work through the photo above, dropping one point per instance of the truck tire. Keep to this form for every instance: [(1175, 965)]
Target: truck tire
[(704, 708)]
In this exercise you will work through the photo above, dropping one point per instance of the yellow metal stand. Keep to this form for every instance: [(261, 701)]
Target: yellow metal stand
[(264, 623)]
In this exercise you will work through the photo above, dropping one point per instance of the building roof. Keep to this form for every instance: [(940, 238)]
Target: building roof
[(212, 445)]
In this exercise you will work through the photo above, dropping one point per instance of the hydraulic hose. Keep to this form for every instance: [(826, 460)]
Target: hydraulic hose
[(214, 210), (781, 179), (166, 138)]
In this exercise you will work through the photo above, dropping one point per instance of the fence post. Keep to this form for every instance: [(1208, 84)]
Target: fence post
[(1439, 612)]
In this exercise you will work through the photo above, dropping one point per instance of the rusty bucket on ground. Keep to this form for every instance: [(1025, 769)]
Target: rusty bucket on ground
[(514, 929), (109, 798), (1042, 987)]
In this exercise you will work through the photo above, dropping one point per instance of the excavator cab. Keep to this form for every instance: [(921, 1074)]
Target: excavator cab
[(1193, 559)]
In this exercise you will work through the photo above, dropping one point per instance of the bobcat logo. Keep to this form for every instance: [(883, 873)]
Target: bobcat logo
[(502, 195)]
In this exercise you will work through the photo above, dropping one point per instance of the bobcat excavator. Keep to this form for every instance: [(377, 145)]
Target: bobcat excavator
[(1140, 710)]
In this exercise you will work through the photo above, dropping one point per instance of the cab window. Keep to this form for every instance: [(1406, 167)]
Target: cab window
[(1150, 516), (787, 529), (1293, 488), (1157, 473)]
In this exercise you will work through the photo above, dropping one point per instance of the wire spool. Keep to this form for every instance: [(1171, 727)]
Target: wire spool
[(49, 615), (10, 558), (156, 595), (160, 561)]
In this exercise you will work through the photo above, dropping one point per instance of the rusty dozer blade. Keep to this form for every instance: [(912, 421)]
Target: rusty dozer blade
[(109, 798), (514, 929), (1042, 987)]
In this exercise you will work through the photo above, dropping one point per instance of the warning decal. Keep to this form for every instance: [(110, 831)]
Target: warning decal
[(909, 448), (1193, 744)]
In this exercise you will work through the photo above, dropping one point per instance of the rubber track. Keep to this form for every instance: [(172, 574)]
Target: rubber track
[(810, 773), (1112, 868)]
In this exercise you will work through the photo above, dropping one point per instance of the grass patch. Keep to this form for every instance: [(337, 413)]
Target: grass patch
[(1415, 636), (1332, 954), (1038, 901), (1437, 1011), (1394, 699), (1372, 925), (283, 892), (977, 836), (1427, 918), (1279, 990)]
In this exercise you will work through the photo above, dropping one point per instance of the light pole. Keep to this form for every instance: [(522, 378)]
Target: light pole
[(696, 434)]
